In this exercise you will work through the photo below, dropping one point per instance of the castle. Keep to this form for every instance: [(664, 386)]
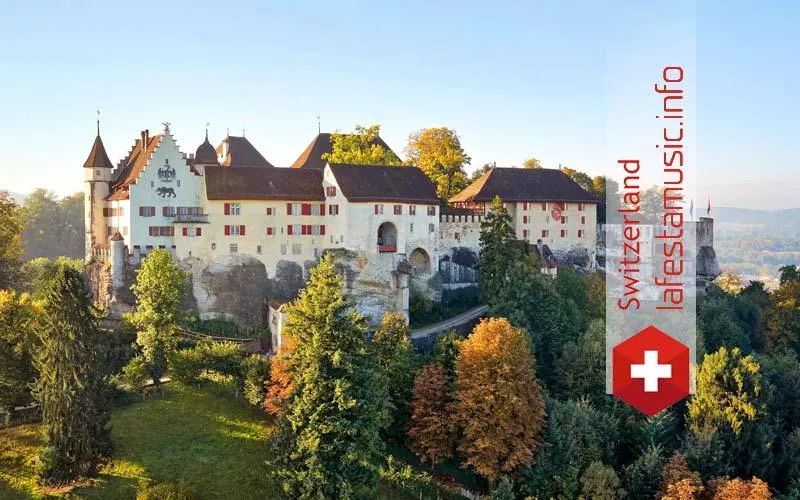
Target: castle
[(249, 231)]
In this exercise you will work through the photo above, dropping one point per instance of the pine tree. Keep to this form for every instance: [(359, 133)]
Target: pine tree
[(18, 316), (395, 355), (432, 432), (499, 403), (497, 250), (72, 387), (159, 288), (331, 426)]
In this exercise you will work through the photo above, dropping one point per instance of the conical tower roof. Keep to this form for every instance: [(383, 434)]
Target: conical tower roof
[(98, 156)]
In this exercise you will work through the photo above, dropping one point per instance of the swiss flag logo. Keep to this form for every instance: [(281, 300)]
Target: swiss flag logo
[(650, 371)]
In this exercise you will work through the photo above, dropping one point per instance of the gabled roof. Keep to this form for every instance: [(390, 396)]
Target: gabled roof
[(258, 183), (524, 184), (321, 144), (362, 183), (98, 156), (133, 165), (241, 153)]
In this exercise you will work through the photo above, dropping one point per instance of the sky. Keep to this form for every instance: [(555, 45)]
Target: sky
[(513, 79)]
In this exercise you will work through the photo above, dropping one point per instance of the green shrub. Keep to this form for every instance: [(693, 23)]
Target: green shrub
[(186, 366), (166, 491), (221, 357), (136, 373), (255, 374)]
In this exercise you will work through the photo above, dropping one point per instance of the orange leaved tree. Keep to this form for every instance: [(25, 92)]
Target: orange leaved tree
[(432, 431), (498, 402)]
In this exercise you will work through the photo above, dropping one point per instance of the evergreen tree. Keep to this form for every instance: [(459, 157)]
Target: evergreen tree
[(498, 400), (10, 240), (445, 352), (159, 288), (18, 316), (600, 482), (72, 387), (332, 420), (496, 249), (395, 355)]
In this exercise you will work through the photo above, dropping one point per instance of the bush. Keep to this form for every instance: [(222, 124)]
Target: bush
[(166, 491), (186, 366), (221, 357), (255, 374), (136, 373)]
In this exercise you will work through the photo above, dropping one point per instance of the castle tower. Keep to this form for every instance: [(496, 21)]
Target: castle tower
[(205, 156), (97, 183)]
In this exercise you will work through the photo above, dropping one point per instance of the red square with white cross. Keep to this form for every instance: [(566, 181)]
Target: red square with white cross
[(650, 371)]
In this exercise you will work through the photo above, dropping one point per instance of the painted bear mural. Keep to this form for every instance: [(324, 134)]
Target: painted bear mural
[(165, 192)]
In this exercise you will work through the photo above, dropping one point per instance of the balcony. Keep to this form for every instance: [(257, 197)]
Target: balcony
[(189, 218), (387, 248)]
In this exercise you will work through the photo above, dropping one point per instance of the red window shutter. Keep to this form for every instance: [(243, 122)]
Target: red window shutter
[(227, 230), (186, 231), (322, 209), (289, 229), (199, 231), (376, 209), (305, 209), (269, 231), (304, 230), (241, 230), (322, 230), (289, 210), (227, 209)]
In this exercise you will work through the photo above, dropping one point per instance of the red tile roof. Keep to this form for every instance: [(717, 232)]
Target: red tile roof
[(363, 183), (524, 184), (241, 153), (97, 156), (257, 183)]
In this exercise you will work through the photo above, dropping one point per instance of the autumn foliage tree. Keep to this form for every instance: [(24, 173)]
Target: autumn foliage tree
[(739, 489), (438, 152), (363, 147), (279, 386), (432, 431), (498, 405)]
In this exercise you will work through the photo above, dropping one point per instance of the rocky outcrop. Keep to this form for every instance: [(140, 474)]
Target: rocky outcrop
[(234, 286)]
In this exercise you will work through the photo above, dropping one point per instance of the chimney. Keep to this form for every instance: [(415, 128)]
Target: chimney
[(145, 138)]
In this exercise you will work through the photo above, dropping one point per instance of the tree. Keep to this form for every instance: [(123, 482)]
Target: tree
[(363, 147), (788, 273), (73, 228), (438, 152), (10, 240), (445, 352), (580, 178), (72, 387), (478, 173), (279, 386), (395, 355), (783, 318), (432, 432), (737, 489), (600, 482), (580, 368), (158, 289), (718, 326), (496, 249), (678, 481), (255, 374), (504, 490), (37, 273), (18, 317), (531, 163), (730, 282), (641, 477), (498, 400), (332, 420), (42, 224)]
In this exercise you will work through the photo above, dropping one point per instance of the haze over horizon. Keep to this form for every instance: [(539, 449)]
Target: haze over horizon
[(514, 80)]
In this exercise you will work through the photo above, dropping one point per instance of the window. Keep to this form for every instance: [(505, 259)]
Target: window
[(161, 231), (168, 211), (318, 230), (147, 211), (258, 249), (293, 208), (580, 207), (431, 211), (563, 219), (234, 230), (283, 249), (270, 211), (232, 209), (213, 246), (330, 191), (431, 228), (583, 219), (524, 219), (297, 248), (411, 228), (545, 233), (412, 210), (563, 233), (113, 212), (198, 231), (179, 183), (270, 231), (398, 209), (378, 209), (525, 205), (580, 233), (333, 209), (318, 209), (294, 229), (185, 231), (525, 234), (544, 207), (457, 236), (149, 247), (234, 248), (152, 184)]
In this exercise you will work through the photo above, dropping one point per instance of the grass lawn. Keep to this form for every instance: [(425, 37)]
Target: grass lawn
[(206, 438)]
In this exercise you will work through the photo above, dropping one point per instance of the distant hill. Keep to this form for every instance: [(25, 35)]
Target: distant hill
[(766, 219)]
